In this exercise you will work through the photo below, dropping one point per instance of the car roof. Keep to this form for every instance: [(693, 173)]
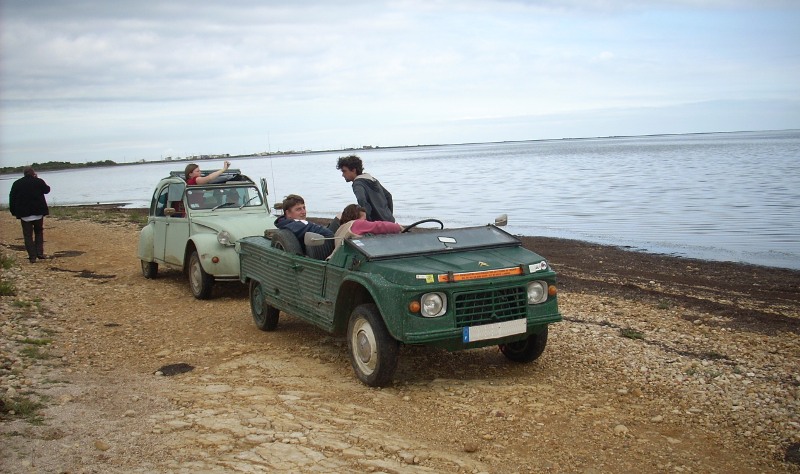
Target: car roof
[(231, 175)]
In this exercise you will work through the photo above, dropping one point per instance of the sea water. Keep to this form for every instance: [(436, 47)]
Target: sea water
[(718, 196)]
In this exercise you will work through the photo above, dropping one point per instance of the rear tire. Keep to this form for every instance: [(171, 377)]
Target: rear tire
[(285, 240), (264, 315), (526, 350), (149, 269), (200, 282), (373, 351)]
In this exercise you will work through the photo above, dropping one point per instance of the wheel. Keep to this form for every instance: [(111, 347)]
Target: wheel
[(409, 227), (149, 269), (200, 281), (264, 315), (285, 240), (373, 351), (526, 350)]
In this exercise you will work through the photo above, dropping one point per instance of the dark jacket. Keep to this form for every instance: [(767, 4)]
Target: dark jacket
[(373, 197), (299, 228), (27, 197)]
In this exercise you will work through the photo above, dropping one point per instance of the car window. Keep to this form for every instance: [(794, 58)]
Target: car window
[(445, 240), (161, 202)]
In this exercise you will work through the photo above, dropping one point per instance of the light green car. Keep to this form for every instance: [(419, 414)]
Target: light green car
[(195, 228)]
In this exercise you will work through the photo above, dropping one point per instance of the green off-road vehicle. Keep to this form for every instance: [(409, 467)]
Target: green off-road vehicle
[(451, 288)]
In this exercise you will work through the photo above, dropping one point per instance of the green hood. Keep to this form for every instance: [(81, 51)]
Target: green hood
[(415, 270)]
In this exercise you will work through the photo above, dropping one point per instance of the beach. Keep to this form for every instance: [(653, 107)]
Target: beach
[(662, 364)]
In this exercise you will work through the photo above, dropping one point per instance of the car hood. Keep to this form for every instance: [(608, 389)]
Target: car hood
[(475, 264), (237, 225)]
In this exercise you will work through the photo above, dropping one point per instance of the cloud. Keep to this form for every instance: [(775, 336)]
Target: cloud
[(209, 77)]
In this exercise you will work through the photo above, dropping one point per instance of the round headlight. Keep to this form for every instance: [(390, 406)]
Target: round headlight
[(537, 292), (433, 304), (224, 238)]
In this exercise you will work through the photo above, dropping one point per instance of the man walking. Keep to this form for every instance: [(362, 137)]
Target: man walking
[(27, 203), (370, 194)]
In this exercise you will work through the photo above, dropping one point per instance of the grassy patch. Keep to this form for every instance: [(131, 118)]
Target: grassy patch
[(631, 333), (34, 352), (7, 288), (664, 304), (36, 342), (101, 214), (713, 355), (6, 262), (22, 407)]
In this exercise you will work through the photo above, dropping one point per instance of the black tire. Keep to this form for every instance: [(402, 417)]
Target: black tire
[(264, 315), (373, 351), (285, 240), (200, 282), (149, 269), (526, 350)]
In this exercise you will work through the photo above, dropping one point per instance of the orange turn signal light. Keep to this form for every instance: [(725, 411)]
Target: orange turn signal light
[(551, 290), (414, 307)]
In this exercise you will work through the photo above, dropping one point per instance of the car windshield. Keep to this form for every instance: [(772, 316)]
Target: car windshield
[(215, 197), (436, 241)]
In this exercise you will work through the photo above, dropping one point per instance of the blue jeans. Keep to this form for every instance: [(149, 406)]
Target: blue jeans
[(33, 233)]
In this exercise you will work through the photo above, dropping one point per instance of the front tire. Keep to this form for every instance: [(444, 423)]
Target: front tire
[(149, 269), (264, 315), (526, 350), (199, 281), (373, 351)]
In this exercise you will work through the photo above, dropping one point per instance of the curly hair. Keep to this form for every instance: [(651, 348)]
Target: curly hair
[(351, 162)]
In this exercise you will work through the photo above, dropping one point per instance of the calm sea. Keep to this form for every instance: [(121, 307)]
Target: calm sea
[(720, 196)]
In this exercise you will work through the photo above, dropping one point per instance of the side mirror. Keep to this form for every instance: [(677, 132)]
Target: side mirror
[(312, 239), (169, 211), (501, 220)]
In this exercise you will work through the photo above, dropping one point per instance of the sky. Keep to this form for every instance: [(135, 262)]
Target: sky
[(93, 80)]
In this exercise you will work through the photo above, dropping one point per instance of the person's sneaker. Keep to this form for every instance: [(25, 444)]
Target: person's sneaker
[(32, 259)]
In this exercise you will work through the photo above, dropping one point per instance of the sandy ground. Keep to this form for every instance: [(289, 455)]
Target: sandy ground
[(661, 365)]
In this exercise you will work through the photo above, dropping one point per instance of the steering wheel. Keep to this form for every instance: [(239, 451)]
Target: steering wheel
[(409, 227)]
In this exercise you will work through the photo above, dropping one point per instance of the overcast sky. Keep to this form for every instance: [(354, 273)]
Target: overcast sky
[(141, 80)]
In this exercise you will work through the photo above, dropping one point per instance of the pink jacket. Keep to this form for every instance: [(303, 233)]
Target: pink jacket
[(359, 227)]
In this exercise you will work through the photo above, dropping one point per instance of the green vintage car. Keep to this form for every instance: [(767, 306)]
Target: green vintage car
[(451, 288), (195, 228)]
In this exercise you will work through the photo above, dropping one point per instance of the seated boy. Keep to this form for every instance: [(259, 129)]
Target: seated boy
[(294, 219)]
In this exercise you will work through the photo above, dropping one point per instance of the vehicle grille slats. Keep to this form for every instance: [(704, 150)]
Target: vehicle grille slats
[(490, 306)]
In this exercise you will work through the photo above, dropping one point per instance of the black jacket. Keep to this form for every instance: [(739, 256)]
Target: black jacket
[(27, 197), (373, 197)]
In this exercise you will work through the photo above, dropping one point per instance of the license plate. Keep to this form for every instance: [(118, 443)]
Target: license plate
[(495, 330)]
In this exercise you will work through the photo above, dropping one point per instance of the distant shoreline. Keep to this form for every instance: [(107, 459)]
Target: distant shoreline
[(60, 165)]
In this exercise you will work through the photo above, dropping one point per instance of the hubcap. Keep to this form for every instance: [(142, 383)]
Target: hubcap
[(363, 347)]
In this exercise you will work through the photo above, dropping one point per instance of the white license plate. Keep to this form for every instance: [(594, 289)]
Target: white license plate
[(495, 330)]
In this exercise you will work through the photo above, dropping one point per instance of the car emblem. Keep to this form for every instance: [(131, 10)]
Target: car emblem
[(483, 264)]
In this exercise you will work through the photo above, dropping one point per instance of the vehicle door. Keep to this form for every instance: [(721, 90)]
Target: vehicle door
[(176, 231), (311, 281), (159, 220)]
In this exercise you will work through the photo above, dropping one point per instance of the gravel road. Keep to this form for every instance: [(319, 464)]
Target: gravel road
[(661, 365)]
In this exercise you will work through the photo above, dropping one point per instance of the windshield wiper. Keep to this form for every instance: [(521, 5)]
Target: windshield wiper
[(248, 201), (224, 204)]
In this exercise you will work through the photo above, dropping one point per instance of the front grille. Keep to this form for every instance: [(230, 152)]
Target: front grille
[(490, 306)]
